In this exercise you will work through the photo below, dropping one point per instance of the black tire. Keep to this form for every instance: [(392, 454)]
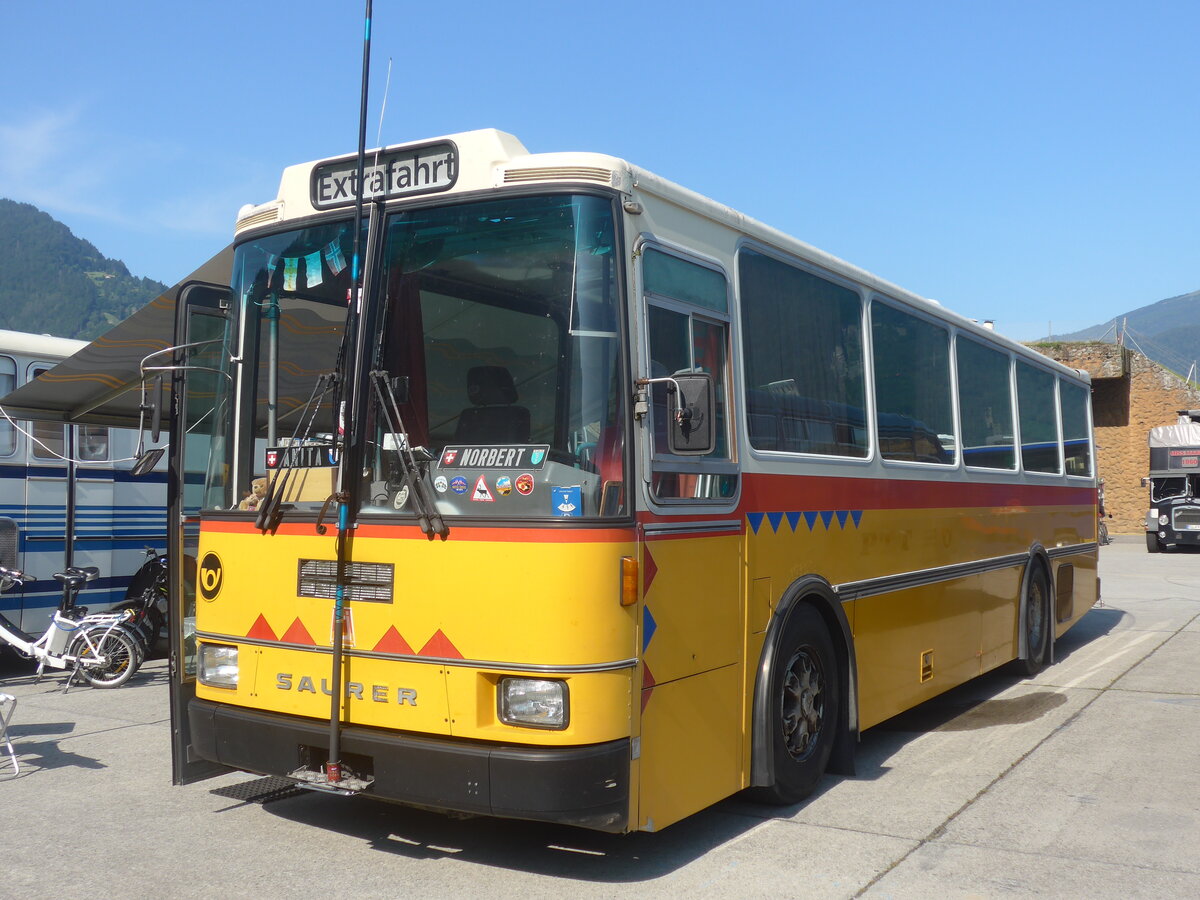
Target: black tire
[(121, 655), (803, 704), (1035, 606), (1153, 544)]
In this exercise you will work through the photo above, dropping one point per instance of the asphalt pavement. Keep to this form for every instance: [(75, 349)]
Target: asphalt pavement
[(1081, 782)]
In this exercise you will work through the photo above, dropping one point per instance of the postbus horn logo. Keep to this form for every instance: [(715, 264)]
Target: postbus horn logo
[(209, 576)]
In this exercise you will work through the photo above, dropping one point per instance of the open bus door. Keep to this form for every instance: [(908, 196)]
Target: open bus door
[(200, 320)]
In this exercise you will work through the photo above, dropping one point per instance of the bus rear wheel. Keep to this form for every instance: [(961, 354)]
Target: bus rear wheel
[(1035, 608), (803, 705)]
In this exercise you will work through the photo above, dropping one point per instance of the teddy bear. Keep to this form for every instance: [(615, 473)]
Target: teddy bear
[(258, 490)]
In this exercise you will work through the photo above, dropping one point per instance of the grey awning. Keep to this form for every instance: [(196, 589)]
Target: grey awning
[(100, 385)]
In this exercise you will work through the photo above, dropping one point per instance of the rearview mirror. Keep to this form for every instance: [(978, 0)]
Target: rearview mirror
[(147, 461), (693, 415)]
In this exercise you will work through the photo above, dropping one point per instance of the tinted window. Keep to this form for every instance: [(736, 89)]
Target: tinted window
[(912, 387), (1077, 444), (985, 406), (1038, 419), (805, 378)]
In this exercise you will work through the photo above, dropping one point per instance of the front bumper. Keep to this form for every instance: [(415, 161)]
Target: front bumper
[(583, 786)]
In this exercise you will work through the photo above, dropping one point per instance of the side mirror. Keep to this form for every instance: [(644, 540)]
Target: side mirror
[(692, 428), (147, 461)]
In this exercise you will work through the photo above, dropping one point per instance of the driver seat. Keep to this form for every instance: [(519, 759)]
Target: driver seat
[(493, 417)]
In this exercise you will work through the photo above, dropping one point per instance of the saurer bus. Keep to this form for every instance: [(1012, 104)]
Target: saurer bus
[(652, 503)]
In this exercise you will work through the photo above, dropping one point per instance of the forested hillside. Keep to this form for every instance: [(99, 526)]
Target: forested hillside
[(52, 282)]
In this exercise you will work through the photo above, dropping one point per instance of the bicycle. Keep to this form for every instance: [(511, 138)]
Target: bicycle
[(99, 647)]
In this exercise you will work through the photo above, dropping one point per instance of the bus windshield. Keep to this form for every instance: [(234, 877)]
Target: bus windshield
[(498, 331)]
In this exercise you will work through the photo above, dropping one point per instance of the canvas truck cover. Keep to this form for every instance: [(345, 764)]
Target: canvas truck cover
[(1175, 449)]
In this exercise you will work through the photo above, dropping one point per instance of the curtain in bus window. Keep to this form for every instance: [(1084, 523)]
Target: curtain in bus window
[(912, 387), (1038, 419), (803, 347), (1077, 445), (985, 406), (8, 383)]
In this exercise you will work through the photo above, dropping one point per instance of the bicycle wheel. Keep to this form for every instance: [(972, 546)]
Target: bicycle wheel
[(117, 653)]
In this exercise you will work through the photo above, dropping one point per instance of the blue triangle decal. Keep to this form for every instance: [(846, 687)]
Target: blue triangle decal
[(811, 519), (648, 627), (775, 519), (827, 517), (842, 514), (793, 519), (856, 515), (755, 519)]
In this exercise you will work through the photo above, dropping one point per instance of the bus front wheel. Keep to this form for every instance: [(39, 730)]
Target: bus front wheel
[(1035, 608), (803, 707), (1153, 544)]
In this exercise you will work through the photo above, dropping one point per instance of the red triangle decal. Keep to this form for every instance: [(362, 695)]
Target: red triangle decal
[(440, 645), (648, 683), (393, 642), (297, 634), (649, 570), (261, 630)]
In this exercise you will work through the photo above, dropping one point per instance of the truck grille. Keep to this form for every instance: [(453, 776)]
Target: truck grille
[(1186, 518)]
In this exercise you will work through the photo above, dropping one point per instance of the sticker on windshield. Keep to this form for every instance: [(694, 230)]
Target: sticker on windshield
[(458, 484), (440, 484), (524, 484), (482, 492), (507, 456), (566, 501), (503, 485), (302, 456)]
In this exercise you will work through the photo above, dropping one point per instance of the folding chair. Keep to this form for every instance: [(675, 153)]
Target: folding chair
[(8, 705)]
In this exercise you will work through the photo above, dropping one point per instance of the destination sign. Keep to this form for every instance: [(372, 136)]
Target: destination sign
[(387, 175), (302, 456), (1184, 459), (509, 456)]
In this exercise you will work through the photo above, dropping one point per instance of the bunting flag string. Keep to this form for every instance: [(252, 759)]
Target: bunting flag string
[(332, 254)]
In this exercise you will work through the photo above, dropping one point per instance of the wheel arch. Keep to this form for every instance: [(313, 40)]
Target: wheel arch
[(810, 590)]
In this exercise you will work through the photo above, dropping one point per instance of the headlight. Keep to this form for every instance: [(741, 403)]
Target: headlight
[(218, 665), (535, 702), (1163, 520)]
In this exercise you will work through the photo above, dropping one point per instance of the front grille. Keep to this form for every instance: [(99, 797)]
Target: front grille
[(260, 217), (1186, 518), (364, 581)]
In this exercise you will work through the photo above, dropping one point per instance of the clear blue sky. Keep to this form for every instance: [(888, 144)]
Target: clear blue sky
[(1029, 162)]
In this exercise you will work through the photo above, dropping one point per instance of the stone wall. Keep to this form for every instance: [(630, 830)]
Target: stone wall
[(1130, 394)]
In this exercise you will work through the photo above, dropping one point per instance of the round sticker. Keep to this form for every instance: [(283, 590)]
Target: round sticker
[(525, 484), (401, 498), (208, 576), (440, 484), (504, 485), (458, 484)]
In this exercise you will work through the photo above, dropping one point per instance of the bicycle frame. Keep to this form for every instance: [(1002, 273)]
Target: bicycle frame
[(41, 649)]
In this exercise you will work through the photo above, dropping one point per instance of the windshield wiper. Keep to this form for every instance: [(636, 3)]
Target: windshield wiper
[(414, 470), (270, 511)]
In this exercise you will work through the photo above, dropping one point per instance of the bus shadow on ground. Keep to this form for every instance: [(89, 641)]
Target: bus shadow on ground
[(532, 847), (562, 851)]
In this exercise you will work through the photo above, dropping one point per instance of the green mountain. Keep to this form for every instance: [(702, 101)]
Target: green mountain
[(52, 282), (1167, 331)]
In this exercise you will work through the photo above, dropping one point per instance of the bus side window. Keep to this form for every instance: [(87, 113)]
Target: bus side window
[(91, 443), (8, 383), (688, 331)]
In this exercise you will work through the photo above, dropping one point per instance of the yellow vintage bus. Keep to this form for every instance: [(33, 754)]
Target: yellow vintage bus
[(648, 503)]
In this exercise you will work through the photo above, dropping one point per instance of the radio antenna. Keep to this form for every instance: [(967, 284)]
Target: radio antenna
[(382, 109), (347, 494)]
